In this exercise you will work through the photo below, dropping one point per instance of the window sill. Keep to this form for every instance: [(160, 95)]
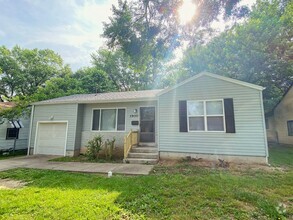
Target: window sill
[(206, 131), (107, 131)]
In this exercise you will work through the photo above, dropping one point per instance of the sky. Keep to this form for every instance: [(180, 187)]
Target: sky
[(72, 28)]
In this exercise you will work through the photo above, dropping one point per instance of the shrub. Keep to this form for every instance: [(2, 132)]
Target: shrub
[(94, 146), (108, 148)]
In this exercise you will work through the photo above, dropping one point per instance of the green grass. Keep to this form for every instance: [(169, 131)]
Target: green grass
[(180, 191), (16, 154), (281, 155)]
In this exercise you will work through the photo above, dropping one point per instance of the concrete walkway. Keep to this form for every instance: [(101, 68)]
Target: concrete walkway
[(41, 162)]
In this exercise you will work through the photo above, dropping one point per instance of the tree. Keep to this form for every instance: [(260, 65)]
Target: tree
[(86, 80), (24, 70), (57, 87), (94, 80), (149, 29), (258, 51), (122, 72)]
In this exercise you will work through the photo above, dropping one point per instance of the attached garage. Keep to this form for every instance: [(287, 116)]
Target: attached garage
[(51, 138)]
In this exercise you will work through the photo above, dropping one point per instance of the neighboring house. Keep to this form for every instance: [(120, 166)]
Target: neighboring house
[(279, 122), (207, 116), (18, 129)]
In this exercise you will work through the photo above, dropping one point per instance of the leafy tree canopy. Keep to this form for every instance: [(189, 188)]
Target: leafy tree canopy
[(123, 73), (258, 51), (24, 70), (94, 80), (87, 80), (149, 30)]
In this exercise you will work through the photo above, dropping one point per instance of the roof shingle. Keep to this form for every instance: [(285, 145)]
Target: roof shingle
[(104, 97)]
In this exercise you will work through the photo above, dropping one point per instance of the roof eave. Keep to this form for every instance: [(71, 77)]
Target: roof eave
[(96, 101)]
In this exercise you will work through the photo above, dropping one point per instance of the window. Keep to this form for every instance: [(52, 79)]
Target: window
[(290, 127), (205, 115), (108, 120), (12, 133)]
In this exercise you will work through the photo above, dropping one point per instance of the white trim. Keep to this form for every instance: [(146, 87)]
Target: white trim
[(116, 120), (205, 116), (30, 131), (51, 122), (148, 106), (103, 131), (213, 76), (264, 127)]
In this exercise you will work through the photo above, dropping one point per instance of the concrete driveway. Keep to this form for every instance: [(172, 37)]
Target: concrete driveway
[(41, 162)]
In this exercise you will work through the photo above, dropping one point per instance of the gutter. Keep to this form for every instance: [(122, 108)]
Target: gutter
[(30, 132)]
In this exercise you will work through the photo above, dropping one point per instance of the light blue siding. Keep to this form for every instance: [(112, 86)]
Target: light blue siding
[(87, 133), (21, 142), (61, 112), (249, 138)]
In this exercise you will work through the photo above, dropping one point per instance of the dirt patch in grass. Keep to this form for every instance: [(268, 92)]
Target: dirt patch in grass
[(219, 165), (11, 184)]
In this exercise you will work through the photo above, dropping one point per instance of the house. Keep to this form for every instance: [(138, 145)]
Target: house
[(279, 122), (207, 116), (11, 130)]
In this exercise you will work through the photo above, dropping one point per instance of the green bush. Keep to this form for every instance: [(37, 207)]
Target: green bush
[(94, 146)]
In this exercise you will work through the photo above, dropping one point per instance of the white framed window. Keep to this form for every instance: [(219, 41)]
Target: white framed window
[(206, 115), (110, 119)]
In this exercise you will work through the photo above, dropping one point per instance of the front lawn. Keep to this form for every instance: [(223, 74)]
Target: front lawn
[(180, 191)]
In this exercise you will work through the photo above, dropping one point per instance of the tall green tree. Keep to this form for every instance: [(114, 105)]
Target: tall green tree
[(122, 72), (94, 80), (24, 70), (145, 33), (86, 80), (258, 51), (151, 28)]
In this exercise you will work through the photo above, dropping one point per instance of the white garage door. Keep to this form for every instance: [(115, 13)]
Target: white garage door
[(51, 138)]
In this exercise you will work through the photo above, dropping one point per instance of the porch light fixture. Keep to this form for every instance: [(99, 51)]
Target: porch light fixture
[(134, 110)]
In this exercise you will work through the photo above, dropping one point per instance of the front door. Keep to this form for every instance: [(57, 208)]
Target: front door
[(147, 124)]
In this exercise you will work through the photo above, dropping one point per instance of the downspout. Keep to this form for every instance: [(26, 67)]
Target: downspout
[(264, 128), (30, 132), (158, 124)]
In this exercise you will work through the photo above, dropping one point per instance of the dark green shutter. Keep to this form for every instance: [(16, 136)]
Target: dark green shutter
[(121, 120), (229, 115), (96, 120), (183, 116)]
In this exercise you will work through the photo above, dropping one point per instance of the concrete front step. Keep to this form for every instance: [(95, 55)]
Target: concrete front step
[(144, 150), (141, 161), (147, 144), (143, 155)]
